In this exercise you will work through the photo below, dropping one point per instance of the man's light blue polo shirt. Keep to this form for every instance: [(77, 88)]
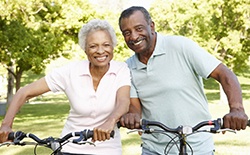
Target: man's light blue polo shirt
[(170, 88)]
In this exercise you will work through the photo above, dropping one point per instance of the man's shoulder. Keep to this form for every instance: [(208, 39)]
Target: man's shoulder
[(176, 42), (172, 38), (131, 61)]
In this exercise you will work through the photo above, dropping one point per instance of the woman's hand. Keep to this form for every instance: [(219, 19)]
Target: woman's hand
[(102, 132), (4, 132)]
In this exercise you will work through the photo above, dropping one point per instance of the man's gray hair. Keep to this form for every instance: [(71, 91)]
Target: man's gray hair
[(93, 25)]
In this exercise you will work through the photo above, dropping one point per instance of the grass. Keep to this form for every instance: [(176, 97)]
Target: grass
[(47, 119)]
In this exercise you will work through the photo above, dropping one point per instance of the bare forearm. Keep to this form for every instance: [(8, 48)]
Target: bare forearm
[(236, 118), (15, 105), (22, 95), (122, 103), (121, 109), (232, 89), (135, 108), (230, 85), (131, 119)]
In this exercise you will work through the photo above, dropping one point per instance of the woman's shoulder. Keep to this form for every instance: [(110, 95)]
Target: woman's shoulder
[(77, 63), (118, 65), (72, 65)]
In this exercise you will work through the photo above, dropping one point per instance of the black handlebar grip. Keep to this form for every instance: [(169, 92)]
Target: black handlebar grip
[(143, 122), (84, 135), (90, 134), (119, 124), (11, 136), (112, 134)]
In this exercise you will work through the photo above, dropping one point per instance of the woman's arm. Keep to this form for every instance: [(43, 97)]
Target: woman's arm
[(23, 94), (122, 106)]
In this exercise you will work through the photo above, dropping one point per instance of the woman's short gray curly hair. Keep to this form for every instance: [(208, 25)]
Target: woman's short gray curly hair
[(92, 25)]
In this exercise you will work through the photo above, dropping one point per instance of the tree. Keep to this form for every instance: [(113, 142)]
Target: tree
[(33, 33), (222, 27)]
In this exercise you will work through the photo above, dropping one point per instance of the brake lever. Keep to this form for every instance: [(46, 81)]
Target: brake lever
[(86, 142), (226, 129), (135, 130), (219, 127), (16, 143), (6, 143)]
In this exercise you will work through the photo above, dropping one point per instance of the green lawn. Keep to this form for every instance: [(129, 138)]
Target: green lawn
[(47, 119)]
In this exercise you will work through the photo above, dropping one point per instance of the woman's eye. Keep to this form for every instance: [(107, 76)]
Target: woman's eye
[(92, 47)]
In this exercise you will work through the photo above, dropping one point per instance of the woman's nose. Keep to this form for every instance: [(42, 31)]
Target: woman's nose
[(100, 50)]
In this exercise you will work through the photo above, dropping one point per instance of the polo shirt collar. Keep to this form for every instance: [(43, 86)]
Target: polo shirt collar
[(157, 51)]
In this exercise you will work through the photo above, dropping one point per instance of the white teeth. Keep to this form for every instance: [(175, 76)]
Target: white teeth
[(101, 58), (138, 42)]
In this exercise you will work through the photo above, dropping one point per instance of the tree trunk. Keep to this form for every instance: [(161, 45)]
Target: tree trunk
[(18, 79), (10, 86)]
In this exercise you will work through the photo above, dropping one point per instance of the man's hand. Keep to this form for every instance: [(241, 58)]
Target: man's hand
[(236, 120), (130, 120)]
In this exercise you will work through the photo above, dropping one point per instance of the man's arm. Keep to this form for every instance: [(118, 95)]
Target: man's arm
[(131, 120), (236, 118)]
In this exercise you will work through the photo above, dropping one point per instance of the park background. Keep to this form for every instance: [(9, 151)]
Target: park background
[(39, 35)]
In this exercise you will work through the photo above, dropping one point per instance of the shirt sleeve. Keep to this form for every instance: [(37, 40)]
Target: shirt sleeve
[(131, 64), (133, 93), (124, 76), (202, 62), (57, 79)]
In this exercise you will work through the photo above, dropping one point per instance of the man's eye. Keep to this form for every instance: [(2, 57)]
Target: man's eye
[(139, 28), (126, 33)]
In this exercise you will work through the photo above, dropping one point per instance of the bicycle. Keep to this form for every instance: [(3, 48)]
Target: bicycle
[(55, 144), (181, 132)]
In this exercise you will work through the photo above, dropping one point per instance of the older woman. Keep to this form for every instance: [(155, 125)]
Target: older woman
[(97, 89)]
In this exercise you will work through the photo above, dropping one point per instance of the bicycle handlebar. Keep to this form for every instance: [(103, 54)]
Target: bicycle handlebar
[(186, 129), (83, 135), (180, 129), (181, 132), (54, 144)]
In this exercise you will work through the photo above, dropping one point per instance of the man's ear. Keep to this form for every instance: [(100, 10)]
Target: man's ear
[(152, 26)]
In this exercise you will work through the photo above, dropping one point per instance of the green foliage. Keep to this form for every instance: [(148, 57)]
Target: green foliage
[(33, 33), (221, 27)]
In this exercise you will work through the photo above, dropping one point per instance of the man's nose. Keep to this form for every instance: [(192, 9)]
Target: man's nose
[(134, 35)]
